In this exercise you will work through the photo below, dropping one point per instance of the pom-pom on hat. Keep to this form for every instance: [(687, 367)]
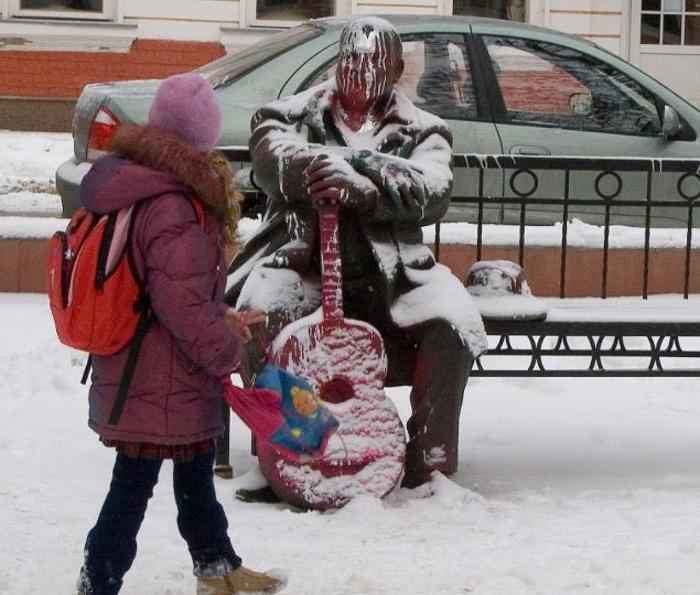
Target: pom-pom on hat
[(186, 104)]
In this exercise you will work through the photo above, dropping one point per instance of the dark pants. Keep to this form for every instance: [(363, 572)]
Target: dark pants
[(110, 548), (439, 377)]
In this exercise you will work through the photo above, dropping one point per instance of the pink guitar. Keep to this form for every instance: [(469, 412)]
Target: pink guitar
[(345, 362)]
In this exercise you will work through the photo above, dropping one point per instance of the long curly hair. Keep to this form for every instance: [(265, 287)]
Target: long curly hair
[(230, 213)]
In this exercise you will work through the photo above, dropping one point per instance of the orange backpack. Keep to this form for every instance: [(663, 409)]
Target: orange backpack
[(98, 302)]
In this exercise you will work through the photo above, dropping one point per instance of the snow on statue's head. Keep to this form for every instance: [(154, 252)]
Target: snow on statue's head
[(370, 61)]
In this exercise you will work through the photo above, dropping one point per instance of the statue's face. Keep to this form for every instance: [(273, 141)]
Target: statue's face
[(369, 64)]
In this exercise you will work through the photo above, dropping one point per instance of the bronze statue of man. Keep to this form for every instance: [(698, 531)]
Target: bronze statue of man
[(359, 141)]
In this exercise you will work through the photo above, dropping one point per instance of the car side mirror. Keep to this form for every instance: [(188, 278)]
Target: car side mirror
[(672, 123), (581, 104)]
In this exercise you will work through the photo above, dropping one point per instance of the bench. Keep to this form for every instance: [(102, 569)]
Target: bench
[(646, 336), (597, 335)]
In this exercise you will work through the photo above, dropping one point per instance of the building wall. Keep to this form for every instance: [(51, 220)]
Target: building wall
[(53, 58), (39, 87), (605, 22), (44, 63), (46, 73), (182, 19), (677, 71), (193, 20)]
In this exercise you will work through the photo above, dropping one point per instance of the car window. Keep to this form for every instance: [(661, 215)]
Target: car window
[(436, 77), (225, 70), (552, 85)]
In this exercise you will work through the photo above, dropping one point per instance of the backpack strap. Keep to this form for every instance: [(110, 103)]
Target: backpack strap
[(86, 370), (103, 253), (142, 325), (198, 209)]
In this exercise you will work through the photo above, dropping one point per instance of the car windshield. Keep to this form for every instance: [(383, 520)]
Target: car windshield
[(225, 70)]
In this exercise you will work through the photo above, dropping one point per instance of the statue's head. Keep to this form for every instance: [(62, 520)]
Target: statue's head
[(370, 61)]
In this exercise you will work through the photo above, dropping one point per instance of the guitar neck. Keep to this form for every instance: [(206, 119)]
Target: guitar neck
[(331, 273)]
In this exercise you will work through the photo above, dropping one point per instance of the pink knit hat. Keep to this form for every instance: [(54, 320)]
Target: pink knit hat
[(187, 104)]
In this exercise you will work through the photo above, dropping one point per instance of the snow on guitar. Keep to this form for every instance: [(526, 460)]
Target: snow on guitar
[(345, 362)]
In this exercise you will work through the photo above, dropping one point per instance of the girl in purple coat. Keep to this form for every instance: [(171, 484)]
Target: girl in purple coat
[(174, 408)]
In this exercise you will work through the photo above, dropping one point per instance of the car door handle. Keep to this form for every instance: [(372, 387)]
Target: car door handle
[(529, 150)]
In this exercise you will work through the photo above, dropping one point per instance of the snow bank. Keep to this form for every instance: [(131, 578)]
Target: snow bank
[(564, 486), (32, 155), (30, 227), (30, 204), (579, 235), (28, 163)]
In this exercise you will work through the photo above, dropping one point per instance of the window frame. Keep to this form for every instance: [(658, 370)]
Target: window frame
[(108, 12), (500, 111), (482, 103), (661, 13), (526, 9), (254, 21)]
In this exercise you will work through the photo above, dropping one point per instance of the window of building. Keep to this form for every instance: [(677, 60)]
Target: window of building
[(436, 76), (512, 10), (670, 22), (99, 9), (544, 84), (290, 12)]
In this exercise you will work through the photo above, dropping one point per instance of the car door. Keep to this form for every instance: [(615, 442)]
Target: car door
[(439, 77), (554, 99)]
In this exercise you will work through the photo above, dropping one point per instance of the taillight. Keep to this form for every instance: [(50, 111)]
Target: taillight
[(101, 132)]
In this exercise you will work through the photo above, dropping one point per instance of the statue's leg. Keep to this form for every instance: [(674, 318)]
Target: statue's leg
[(442, 368)]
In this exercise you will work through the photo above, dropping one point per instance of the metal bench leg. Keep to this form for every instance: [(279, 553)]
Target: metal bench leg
[(222, 466)]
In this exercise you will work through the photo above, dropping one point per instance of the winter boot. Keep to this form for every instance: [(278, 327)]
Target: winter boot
[(240, 580)]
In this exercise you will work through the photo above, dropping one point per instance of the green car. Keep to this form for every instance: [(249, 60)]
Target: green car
[(503, 87)]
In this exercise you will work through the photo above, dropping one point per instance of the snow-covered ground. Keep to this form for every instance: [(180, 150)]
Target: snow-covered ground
[(565, 486), (28, 162)]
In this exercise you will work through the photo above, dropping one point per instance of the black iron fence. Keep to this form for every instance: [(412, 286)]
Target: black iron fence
[(646, 192)]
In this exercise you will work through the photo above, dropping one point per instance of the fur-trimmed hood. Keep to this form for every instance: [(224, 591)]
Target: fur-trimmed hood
[(147, 162)]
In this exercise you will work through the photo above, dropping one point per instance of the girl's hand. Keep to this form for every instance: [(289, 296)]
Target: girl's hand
[(239, 321)]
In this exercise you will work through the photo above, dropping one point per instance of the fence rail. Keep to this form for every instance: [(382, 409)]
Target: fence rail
[(604, 188)]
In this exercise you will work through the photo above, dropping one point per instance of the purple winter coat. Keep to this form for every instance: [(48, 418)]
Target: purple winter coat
[(175, 394)]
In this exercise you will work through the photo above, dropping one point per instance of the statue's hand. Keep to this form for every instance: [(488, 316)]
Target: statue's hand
[(331, 178), (402, 184)]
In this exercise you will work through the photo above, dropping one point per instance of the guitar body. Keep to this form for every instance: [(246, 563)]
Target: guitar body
[(345, 362)]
